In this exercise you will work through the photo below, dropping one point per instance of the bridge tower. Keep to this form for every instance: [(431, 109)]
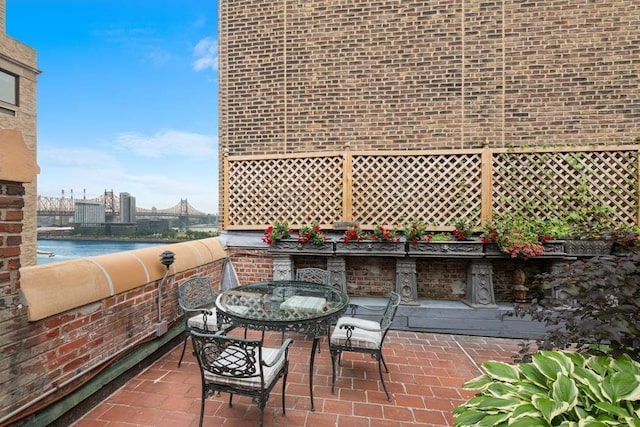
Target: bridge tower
[(110, 210)]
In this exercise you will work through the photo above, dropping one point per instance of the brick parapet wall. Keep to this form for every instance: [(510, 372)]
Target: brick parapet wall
[(42, 360)]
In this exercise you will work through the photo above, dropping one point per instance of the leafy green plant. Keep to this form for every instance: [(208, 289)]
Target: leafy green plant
[(416, 231), (354, 234), (463, 230), (517, 236), (593, 306), (384, 234), (311, 234), (277, 231), (557, 388)]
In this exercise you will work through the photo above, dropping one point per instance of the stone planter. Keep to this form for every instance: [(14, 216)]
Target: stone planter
[(293, 247), (552, 248), (588, 248), (460, 249), (371, 247)]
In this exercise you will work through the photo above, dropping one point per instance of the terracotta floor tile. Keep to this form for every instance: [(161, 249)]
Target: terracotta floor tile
[(426, 374)]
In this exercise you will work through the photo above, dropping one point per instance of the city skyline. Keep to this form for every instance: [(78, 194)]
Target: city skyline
[(127, 97)]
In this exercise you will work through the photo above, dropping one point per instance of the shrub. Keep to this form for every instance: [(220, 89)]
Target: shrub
[(557, 389), (594, 306)]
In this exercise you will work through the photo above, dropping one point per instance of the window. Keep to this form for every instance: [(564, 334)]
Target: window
[(8, 87)]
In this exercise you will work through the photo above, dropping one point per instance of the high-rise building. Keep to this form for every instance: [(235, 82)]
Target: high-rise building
[(89, 213), (127, 208)]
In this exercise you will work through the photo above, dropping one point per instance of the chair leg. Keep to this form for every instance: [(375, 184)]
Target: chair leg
[(184, 347), (230, 400), (384, 386), (383, 362), (284, 386), (204, 397), (333, 370)]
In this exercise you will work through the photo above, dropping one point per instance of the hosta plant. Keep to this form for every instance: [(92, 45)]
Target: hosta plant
[(557, 388)]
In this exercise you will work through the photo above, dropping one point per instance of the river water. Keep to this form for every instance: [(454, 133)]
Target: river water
[(64, 250)]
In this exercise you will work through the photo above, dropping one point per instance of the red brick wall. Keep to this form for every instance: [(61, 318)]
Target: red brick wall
[(38, 355)]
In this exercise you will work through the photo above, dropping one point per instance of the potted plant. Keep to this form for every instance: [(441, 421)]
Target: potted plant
[(310, 239), (516, 236), (382, 241), (458, 243), (277, 231)]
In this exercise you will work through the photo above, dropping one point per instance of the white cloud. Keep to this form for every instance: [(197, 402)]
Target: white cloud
[(206, 54), (168, 142)]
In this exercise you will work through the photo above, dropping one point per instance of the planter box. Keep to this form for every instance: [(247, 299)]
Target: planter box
[(588, 248), (371, 247), (552, 249), (293, 247), (461, 249)]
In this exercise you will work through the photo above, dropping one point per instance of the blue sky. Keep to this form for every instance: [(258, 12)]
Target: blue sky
[(127, 98)]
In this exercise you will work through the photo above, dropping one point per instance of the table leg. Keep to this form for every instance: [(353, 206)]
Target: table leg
[(313, 356)]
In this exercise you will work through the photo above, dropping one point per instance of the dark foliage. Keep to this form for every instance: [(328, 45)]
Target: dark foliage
[(594, 307)]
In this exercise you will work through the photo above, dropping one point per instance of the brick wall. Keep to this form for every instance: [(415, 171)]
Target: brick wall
[(302, 76), (42, 360)]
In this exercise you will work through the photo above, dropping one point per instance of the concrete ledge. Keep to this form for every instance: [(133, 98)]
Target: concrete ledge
[(455, 317), (54, 288)]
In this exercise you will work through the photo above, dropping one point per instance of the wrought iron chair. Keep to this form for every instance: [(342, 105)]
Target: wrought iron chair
[(239, 365), (315, 275), (197, 298), (357, 335)]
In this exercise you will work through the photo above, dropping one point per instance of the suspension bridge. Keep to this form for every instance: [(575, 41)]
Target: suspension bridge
[(65, 207)]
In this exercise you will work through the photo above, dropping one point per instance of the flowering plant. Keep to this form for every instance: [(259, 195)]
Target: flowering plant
[(277, 231), (416, 231), (354, 233), (515, 236), (463, 230), (311, 234), (383, 234)]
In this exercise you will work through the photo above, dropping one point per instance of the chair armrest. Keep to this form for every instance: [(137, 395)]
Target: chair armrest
[(275, 358), (345, 324)]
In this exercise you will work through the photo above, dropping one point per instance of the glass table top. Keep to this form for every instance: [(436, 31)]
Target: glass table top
[(282, 301)]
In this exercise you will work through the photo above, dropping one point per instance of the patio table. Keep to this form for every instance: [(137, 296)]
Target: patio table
[(285, 305)]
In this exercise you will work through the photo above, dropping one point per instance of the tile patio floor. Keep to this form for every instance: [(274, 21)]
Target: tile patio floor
[(426, 372)]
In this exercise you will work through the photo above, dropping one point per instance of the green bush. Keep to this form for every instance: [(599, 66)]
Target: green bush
[(557, 388), (594, 307)]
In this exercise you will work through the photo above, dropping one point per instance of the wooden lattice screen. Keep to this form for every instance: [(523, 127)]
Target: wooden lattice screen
[(438, 187)]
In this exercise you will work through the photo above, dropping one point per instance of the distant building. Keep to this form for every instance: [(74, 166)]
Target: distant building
[(89, 213), (127, 208)]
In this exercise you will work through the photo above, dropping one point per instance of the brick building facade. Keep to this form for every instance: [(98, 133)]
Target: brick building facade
[(19, 60), (300, 76)]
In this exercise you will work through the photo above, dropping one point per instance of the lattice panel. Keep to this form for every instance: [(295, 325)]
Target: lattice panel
[(541, 183), (437, 189), (296, 190)]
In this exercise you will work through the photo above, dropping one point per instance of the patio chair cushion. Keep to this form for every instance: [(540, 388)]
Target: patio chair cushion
[(198, 321), (366, 333), (304, 304), (270, 372)]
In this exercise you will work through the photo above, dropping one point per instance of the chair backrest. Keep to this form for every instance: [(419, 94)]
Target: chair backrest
[(228, 356), (315, 275), (196, 292), (390, 311)]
